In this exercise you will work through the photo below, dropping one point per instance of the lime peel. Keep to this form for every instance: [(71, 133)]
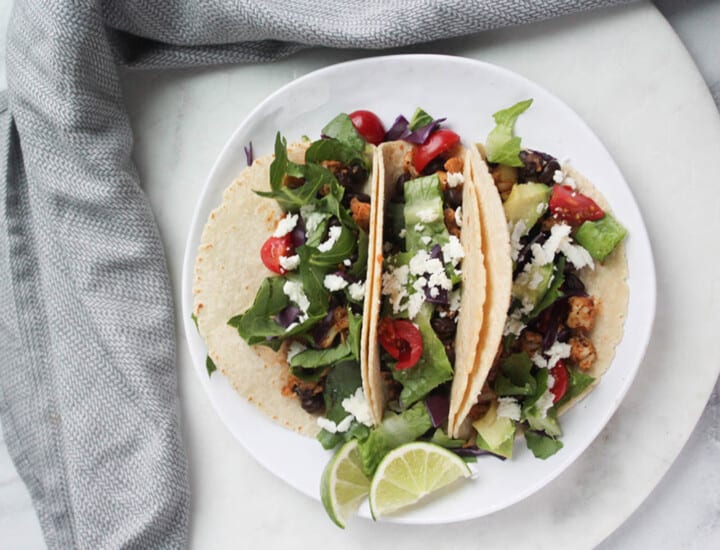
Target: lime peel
[(343, 485)]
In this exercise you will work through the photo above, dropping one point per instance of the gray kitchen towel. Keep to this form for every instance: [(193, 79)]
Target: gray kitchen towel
[(88, 392)]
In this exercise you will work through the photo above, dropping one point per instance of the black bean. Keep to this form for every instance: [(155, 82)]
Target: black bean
[(444, 327), (453, 197), (433, 166), (537, 166)]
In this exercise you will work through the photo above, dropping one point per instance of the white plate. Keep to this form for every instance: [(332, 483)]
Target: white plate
[(467, 92)]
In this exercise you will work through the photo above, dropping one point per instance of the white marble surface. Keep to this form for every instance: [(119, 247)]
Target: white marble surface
[(183, 118)]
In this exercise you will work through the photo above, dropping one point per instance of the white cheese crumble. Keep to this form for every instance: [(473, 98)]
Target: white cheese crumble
[(420, 284), (454, 179), (559, 350), (453, 251), (545, 254), (540, 208), (394, 281), (286, 225), (289, 263), (516, 232), (454, 299), (293, 349), (326, 424), (458, 216), (543, 404), (577, 255), (333, 235), (539, 361), (402, 233), (312, 219), (426, 240), (428, 215), (514, 324), (357, 405), (508, 407), (347, 262), (294, 291), (415, 302), (357, 291), (334, 282), (434, 292), (558, 176), (419, 227)]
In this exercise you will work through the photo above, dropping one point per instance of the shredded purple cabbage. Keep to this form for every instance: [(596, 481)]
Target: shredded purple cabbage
[(288, 316), (438, 407), (420, 135), (249, 153), (297, 235), (442, 297), (398, 129)]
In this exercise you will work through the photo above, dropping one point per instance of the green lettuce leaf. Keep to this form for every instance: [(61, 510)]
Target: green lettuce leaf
[(342, 129), (423, 197), (502, 146), (541, 445), (419, 119), (554, 292), (514, 377), (210, 365), (332, 149), (341, 382)]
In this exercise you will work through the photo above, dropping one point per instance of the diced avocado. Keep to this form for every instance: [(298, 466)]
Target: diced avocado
[(527, 203), (495, 434), (531, 285), (600, 237)]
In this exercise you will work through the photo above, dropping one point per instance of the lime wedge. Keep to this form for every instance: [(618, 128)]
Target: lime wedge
[(343, 485), (410, 472)]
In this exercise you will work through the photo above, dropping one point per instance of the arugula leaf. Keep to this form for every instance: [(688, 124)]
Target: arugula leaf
[(194, 320), (332, 149), (258, 322), (342, 129), (354, 333), (312, 277), (577, 383), (341, 382), (315, 358), (359, 268), (501, 145), (541, 445), (432, 369), (293, 198), (552, 293), (343, 248), (419, 119), (210, 365)]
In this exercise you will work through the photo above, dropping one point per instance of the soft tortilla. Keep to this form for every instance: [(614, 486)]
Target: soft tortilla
[(228, 272), (495, 242)]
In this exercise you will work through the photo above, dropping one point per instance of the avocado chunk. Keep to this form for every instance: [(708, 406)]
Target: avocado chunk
[(531, 285), (527, 203), (600, 237), (495, 434)]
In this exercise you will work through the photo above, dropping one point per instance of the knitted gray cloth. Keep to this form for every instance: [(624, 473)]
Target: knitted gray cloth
[(87, 382)]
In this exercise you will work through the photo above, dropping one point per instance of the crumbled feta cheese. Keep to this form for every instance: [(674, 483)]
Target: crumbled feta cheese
[(357, 405), (545, 254), (527, 305), (402, 233), (294, 291), (514, 324), (536, 280), (421, 263), (289, 263), (347, 262), (419, 227), (559, 350), (334, 282), (508, 407), (428, 215), (454, 299), (453, 251), (540, 208), (286, 225), (312, 218), (454, 179), (558, 176), (516, 232), (415, 302), (458, 216), (577, 255), (539, 361), (434, 292), (327, 424), (333, 235), (292, 326), (387, 247), (294, 348), (394, 281), (426, 240), (551, 381), (357, 290), (345, 423), (543, 404), (440, 278), (420, 284)]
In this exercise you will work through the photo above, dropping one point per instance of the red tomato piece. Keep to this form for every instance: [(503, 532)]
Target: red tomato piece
[(572, 206), (438, 142), (402, 340), (368, 126), (273, 249), (560, 374)]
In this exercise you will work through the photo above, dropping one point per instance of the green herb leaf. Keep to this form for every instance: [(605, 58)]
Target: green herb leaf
[(419, 119), (502, 146), (332, 149), (541, 445), (514, 377), (210, 365), (578, 381), (194, 320)]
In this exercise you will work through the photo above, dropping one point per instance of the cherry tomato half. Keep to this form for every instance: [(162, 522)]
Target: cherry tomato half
[(368, 126), (402, 340), (273, 249), (438, 142), (572, 206), (560, 374)]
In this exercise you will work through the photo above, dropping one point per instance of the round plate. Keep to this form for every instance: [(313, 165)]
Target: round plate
[(467, 92)]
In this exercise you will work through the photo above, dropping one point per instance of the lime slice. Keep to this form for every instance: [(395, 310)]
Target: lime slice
[(410, 472), (343, 485)]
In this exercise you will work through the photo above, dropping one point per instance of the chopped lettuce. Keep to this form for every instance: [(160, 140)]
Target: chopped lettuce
[(439, 437), (341, 382), (419, 119), (514, 377), (502, 146), (578, 381), (395, 430), (541, 445), (423, 213), (332, 149)]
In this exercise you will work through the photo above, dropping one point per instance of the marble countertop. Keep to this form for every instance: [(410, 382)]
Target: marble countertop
[(683, 510)]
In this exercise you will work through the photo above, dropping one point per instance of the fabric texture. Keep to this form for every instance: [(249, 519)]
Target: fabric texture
[(88, 390)]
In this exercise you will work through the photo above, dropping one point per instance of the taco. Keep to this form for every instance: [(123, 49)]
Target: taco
[(569, 295), (292, 343)]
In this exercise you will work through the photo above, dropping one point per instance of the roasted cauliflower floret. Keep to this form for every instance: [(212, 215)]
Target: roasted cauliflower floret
[(582, 352), (582, 313)]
